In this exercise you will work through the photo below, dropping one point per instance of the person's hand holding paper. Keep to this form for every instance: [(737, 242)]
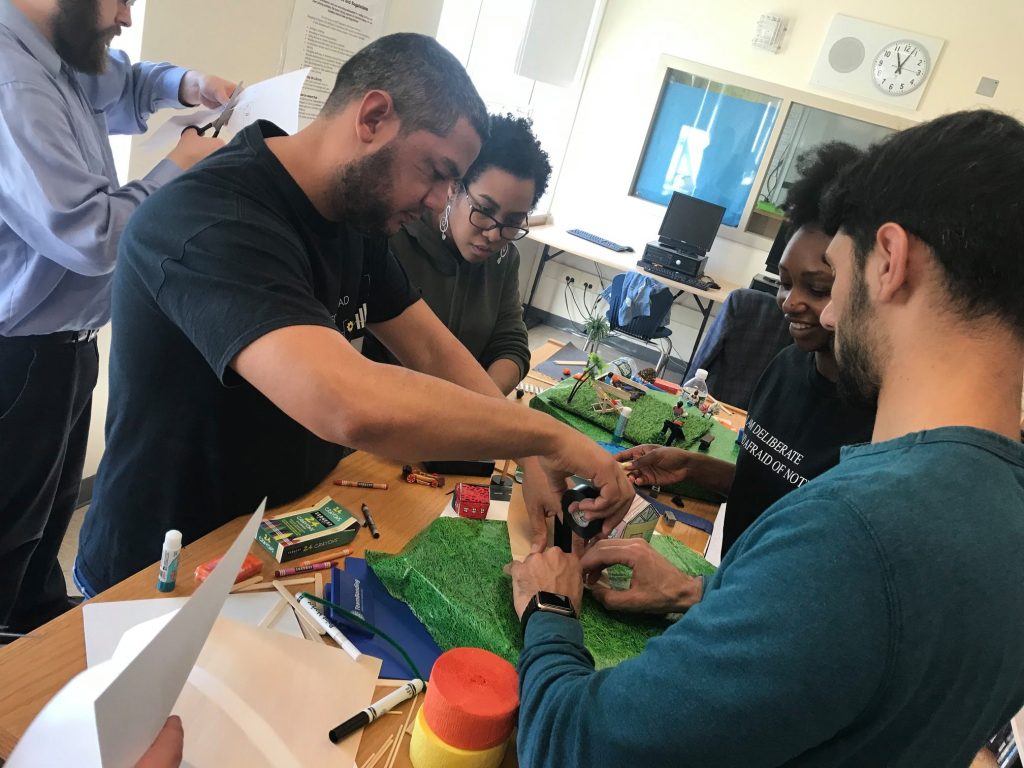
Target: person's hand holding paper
[(209, 90), (167, 748)]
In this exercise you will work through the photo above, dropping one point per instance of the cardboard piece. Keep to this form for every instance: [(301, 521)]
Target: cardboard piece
[(242, 704)]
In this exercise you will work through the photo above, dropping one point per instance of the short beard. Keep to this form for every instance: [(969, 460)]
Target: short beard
[(361, 193), (77, 37), (857, 349)]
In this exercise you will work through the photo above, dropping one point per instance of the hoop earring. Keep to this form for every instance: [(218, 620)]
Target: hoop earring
[(503, 252), (444, 220)]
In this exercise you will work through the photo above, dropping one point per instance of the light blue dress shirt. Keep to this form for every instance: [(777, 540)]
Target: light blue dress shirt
[(62, 210)]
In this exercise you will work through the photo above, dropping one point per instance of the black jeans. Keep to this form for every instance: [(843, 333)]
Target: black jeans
[(46, 385)]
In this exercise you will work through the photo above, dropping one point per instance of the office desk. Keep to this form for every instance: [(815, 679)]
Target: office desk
[(556, 241), (34, 668)]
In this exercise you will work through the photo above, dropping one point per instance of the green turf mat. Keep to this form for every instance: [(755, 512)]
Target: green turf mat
[(649, 413), (723, 447), (451, 577)]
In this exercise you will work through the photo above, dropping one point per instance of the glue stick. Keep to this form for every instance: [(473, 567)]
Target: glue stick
[(620, 427), (169, 561)]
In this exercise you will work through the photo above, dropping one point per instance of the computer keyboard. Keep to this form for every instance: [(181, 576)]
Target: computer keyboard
[(599, 240), (704, 283)]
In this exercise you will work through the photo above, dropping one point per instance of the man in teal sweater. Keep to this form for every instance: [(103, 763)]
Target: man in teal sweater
[(876, 615)]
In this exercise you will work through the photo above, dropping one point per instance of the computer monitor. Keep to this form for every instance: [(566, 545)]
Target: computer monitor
[(690, 223)]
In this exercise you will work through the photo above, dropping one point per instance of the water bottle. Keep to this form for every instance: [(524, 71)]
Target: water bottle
[(696, 389)]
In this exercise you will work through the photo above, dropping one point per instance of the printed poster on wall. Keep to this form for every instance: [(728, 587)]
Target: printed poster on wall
[(323, 35)]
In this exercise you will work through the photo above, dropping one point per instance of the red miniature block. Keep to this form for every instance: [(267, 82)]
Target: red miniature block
[(472, 501), (667, 386)]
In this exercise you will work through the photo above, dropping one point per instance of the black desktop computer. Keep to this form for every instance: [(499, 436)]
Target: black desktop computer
[(687, 232), (685, 263), (690, 224)]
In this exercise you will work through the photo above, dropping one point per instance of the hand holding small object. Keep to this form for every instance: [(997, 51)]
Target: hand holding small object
[(656, 586)]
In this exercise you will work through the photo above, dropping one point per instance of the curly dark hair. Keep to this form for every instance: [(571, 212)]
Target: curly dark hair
[(513, 147), (818, 168)]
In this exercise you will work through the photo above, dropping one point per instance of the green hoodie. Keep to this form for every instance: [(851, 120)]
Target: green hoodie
[(479, 303)]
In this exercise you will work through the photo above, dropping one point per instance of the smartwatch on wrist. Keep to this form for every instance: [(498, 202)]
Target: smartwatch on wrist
[(547, 602)]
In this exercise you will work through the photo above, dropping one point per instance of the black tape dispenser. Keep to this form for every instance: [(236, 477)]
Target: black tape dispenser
[(569, 523)]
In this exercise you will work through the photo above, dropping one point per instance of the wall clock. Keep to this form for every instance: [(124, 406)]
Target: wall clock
[(901, 67), (876, 62)]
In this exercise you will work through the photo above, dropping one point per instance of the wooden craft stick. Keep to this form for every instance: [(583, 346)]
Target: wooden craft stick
[(504, 468), (401, 733), (334, 554), (570, 362), (270, 584), (721, 405), (299, 610), (318, 585), (308, 633), (390, 681), (272, 615), (241, 586), (376, 756)]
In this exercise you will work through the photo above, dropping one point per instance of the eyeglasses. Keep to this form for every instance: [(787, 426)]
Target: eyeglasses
[(485, 222)]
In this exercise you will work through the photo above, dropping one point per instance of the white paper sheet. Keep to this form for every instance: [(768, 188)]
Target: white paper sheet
[(105, 623), (323, 35), (109, 714), (275, 99)]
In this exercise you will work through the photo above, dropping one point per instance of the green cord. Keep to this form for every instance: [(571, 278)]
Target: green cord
[(362, 622)]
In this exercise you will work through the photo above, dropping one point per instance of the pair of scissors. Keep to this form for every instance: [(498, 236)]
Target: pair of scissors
[(222, 119)]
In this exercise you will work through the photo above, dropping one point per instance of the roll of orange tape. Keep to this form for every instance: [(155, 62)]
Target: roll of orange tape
[(426, 750), (472, 699)]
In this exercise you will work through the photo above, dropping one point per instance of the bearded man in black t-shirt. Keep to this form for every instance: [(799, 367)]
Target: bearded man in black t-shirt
[(239, 290)]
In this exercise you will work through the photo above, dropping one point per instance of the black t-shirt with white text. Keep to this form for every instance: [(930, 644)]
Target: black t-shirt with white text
[(221, 256), (795, 426)]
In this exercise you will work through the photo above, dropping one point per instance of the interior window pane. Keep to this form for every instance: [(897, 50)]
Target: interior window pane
[(707, 140), (804, 128)]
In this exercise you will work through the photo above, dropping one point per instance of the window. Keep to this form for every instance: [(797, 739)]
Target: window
[(707, 140), (734, 141), (804, 128), (486, 36)]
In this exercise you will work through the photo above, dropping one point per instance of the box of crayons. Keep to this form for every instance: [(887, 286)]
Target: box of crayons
[(305, 532)]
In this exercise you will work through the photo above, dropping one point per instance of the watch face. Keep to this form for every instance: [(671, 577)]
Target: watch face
[(551, 601), (901, 67)]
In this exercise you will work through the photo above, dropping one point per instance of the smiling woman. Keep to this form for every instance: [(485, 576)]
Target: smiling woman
[(797, 419), (463, 260)]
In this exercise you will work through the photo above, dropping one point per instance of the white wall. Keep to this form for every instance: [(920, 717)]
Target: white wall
[(236, 39), (129, 41), (619, 95)]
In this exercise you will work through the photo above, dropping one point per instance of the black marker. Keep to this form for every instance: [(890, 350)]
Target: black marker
[(372, 712), (368, 522)]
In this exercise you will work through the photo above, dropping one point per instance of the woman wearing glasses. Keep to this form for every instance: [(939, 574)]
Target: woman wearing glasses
[(463, 259)]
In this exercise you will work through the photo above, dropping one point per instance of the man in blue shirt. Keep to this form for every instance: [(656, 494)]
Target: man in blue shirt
[(875, 615), (62, 91)]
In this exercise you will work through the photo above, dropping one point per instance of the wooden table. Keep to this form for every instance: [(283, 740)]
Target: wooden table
[(34, 668)]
